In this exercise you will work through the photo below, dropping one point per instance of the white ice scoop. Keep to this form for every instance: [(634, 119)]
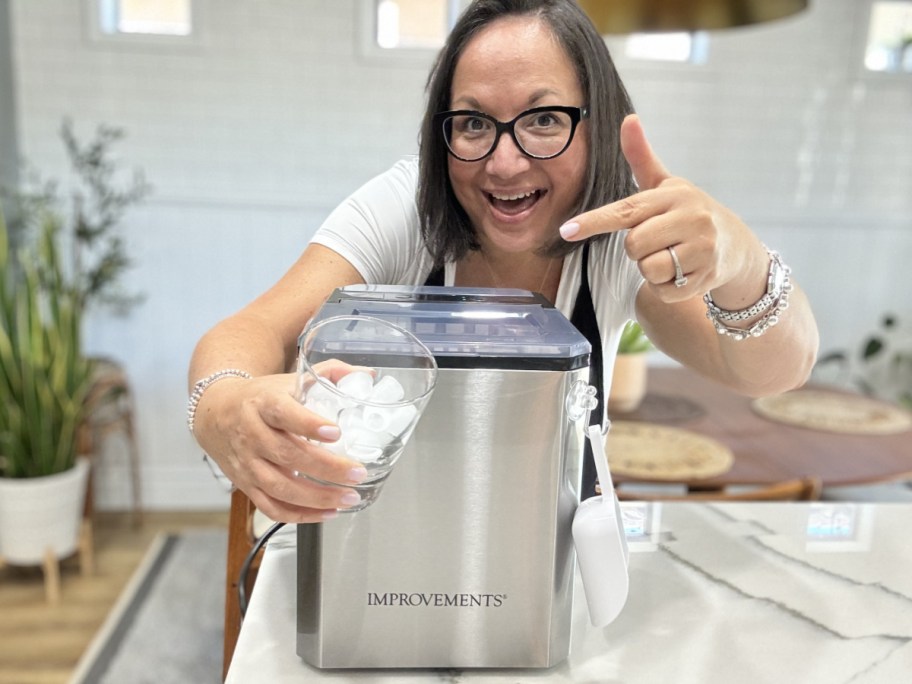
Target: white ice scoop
[(601, 545)]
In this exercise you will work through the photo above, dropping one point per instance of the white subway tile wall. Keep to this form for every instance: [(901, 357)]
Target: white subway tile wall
[(253, 132)]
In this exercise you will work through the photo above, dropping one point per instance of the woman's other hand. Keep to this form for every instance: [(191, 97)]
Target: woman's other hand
[(265, 441)]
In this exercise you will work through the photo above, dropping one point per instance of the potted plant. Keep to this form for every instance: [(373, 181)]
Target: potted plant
[(628, 382), (92, 252), (44, 383), (95, 258), (881, 368)]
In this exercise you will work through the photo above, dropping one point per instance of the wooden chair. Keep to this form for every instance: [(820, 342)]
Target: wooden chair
[(802, 489), (111, 409), (241, 540)]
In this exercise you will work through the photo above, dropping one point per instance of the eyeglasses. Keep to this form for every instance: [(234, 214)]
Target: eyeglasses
[(541, 132)]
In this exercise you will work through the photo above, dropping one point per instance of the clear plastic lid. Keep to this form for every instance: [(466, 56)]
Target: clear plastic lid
[(472, 327)]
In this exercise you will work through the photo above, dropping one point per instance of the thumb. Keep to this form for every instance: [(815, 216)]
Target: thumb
[(647, 168)]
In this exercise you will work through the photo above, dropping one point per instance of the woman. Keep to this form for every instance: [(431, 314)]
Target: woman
[(532, 174)]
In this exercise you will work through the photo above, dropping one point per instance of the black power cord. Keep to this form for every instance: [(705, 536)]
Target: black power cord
[(248, 561)]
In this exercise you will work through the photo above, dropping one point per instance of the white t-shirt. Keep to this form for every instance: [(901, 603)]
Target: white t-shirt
[(377, 230)]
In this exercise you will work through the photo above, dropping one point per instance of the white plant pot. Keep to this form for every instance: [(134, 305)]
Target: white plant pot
[(628, 383), (41, 513)]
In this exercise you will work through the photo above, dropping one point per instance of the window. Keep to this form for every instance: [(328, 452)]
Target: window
[(420, 27), (889, 47), (155, 17), (141, 23), (414, 24)]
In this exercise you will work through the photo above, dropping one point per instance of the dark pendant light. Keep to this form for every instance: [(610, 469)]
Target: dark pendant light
[(642, 16)]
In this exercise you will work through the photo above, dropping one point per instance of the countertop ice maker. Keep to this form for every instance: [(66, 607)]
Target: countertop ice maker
[(466, 559)]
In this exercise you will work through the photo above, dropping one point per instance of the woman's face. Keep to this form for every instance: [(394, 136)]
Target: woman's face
[(517, 203)]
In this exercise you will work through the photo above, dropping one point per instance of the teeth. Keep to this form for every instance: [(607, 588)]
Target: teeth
[(513, 197)]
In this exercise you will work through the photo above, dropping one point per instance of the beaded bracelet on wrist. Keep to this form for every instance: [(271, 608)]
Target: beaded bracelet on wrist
[(777, 277), (768, 320), (764, 303), (203, 384), (773, 302)]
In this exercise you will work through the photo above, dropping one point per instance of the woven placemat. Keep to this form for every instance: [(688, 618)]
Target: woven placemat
[(834, 412), (659, 452)]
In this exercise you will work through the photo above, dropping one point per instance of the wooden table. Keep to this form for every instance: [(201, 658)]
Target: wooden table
[(766, 451)]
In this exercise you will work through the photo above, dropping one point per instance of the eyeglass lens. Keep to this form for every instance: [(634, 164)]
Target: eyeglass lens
[(540, 134)]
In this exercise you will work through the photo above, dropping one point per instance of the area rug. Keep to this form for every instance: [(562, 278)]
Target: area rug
[(167, 625)]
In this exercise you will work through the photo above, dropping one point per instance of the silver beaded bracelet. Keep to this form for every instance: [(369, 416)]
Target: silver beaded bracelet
[(764, 303), (769, 319), (774, 301), (202, 385)]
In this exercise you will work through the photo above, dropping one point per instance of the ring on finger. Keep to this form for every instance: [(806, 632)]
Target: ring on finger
[(680, 280)]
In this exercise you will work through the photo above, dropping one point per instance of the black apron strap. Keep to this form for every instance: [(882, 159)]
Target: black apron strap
[(436, 277), (583, 318)]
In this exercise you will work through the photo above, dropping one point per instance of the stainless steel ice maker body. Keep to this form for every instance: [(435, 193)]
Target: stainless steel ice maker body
[(466, 559)]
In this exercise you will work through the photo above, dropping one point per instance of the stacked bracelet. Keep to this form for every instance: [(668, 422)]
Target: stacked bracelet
[(773, 302), (201, 386)]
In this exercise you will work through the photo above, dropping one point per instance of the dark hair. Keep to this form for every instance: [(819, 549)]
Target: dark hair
[(445, 225)]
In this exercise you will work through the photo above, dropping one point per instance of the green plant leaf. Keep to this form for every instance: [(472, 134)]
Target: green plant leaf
[(633, 339), (44, 376), (872, 347)]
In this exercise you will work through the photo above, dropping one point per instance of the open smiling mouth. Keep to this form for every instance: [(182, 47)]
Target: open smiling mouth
[(515, 204)]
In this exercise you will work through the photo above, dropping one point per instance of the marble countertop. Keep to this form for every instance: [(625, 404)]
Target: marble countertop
[(734, 592)]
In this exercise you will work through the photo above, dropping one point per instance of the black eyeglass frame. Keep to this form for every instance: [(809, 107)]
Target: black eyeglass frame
[(576, 115)]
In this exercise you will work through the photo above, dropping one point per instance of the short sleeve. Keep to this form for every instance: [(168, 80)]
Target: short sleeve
[(377, 228)]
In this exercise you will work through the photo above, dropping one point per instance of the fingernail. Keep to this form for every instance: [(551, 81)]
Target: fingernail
[(329, 433), (357, 474), (568, 230), (350, 499), (329, 515)]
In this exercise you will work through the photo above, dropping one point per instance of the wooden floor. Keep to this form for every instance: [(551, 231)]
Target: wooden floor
[(41, 644)]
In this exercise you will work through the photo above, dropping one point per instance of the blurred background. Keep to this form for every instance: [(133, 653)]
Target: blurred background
[(252, 119)]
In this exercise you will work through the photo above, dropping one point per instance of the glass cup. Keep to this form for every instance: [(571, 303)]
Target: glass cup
[(376, 400)]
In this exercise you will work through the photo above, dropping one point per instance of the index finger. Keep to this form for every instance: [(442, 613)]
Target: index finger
[(625, 213)]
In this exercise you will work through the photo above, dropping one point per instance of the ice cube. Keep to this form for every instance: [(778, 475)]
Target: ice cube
[(376, 418), (364, 453), (401, 419), (388, 390), (337, 447), (357, 384), (373, 438), (394, 419), (351, 419), (366, 445), (319, 392)]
